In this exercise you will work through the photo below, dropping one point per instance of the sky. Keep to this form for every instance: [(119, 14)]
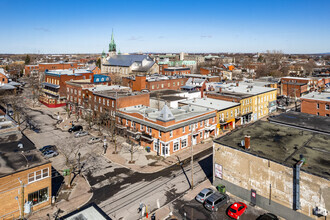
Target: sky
[(247, 26)]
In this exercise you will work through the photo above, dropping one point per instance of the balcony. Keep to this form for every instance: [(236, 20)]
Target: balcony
[(50, 92)]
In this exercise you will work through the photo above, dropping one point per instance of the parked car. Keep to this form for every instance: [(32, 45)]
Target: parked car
[(80, 134), (236, 210), (47, 148), (50, 153), (75, 128), (215, 201), (94, 140), (267, 216), (204, 194)]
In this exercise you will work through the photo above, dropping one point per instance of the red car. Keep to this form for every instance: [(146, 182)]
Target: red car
[(236, 210)]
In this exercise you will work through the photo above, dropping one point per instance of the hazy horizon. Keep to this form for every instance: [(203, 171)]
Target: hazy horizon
[(61, 27)]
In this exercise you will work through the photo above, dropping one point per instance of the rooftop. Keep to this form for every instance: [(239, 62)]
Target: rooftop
[(303, 120), (116, 93), (293, 77), (126, 60), (105, 88), (165, 92), (174, 68), (245, 89), (68, 72), (321, 96), (179, 114), (211, 103), (13, 158), (284, 145)]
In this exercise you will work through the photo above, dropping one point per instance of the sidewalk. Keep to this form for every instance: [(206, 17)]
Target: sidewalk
[(79, 196), (149, 162)]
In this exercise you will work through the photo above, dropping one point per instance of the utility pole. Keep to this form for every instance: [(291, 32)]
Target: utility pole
[(192, 158), (22, 197)]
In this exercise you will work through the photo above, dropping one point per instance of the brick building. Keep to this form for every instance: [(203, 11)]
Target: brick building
[(25, 175), (298, 86), (316, 103), (89, 98), (42, 67), (168, 130), (171, 71), (195, 84), (154, 82), (210, 70), (54, 87), (278, 165)]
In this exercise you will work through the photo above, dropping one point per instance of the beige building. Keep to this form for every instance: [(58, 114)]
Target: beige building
[(286, 167)]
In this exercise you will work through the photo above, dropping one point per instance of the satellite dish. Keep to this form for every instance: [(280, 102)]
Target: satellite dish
[(20, 145)]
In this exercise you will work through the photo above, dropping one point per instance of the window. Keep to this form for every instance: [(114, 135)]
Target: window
[(327, 107), (189, 127), (317, 105), (162, 85), (176, 146), (178, 83), (75, 92), (327, 115), (201, 124), (183, 143), (160, 134), (173, 83), (67, 89), (171, 133), (108, 102), (126, 122), (317, 113), (132, 123), (213, 120), (99, 100), (103, 101), (141, 127), (79, 92), (38, 175), (38, 196), (113, 104), (183, 129), (100, 108), (152, 87), (169, 84), (150, 130)]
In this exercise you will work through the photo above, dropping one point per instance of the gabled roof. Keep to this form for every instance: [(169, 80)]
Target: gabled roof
[(166, 114), (125, 60)]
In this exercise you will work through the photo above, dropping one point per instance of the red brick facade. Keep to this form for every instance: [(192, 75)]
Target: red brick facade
[(141, 83), (315, 107)]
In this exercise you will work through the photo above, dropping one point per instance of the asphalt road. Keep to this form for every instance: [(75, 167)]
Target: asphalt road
[(119, 191)]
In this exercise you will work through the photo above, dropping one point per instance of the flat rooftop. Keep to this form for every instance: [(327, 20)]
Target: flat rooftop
[(179, 114), (68, 72), (320, 96), (12, 158), (231, 94), (211, 103), (173, 68), (284, 145), (245, 89), (303, 120), (116, 94), (165, 92)]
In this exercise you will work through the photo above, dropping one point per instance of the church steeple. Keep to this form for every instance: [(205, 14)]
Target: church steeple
[(112, 45)]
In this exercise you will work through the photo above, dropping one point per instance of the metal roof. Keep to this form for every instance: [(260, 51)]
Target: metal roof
[(126, 60), (50, 85)]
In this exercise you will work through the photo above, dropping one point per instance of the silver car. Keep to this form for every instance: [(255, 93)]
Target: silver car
[(215, 201), (80, 134), (50, 153), (202, 196), (94, 140)]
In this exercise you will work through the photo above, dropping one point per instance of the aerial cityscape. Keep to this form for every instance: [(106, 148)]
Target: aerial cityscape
[(175, 110)]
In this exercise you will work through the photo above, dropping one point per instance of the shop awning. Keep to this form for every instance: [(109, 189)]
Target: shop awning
[(50, 85)]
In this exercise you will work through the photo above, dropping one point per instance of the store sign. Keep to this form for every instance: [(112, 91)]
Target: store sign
[(218, 170)]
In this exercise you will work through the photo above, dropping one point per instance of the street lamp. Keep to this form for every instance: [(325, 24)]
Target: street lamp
[(79, 154)]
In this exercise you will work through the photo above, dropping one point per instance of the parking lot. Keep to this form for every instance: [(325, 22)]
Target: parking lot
[(195, 210)]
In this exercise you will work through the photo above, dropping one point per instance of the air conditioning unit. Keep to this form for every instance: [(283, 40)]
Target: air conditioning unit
[(320, 211)]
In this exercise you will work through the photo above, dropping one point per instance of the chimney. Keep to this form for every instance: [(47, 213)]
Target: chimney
[(247, 142), (237, 84), (220, 90)]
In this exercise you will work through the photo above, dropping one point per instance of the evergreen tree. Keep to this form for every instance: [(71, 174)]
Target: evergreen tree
[(98, 63), (27, 60)]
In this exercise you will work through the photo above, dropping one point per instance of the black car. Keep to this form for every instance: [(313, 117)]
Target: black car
[(47, 148), (75, 128), (267, 216)]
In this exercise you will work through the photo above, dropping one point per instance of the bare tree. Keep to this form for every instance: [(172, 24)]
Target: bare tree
[(112, 130)]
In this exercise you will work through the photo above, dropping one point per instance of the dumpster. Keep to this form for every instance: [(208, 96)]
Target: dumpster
[(221, 188)]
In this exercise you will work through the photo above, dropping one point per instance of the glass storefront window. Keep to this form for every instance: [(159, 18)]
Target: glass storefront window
[(38, 196)]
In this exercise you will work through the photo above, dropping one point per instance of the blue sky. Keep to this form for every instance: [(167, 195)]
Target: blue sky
[(293, 26)]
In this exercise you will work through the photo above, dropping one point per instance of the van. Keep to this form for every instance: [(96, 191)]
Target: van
[(215, 201)]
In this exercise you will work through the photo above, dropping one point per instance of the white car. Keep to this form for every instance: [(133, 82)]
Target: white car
[(80, 134), (94, 140)]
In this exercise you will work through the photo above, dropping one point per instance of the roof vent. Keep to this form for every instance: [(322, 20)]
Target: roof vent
[(20, 145)]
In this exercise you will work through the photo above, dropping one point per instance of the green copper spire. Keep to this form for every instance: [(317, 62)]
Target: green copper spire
[(103, 54), (112, 45), (119, 52)]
